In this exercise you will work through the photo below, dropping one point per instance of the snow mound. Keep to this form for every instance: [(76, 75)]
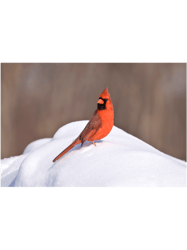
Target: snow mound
[(120, 159)]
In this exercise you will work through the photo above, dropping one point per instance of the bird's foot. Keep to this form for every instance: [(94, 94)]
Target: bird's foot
[(94, 143)]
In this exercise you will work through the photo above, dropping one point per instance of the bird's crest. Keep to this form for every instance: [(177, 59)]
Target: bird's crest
[(105, 94)]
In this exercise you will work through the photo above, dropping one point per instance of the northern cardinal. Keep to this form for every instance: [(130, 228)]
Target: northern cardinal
[(99, 126)]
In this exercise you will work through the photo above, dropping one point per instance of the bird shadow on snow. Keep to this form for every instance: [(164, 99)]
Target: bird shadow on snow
[(76, 148), (12, 184)]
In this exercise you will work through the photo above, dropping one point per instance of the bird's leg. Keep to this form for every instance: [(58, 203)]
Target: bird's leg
[(94, 143), (82, 142)]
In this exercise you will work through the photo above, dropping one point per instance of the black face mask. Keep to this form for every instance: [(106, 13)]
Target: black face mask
[(102, 106)]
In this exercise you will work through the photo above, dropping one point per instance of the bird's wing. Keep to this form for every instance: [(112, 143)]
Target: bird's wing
[(91, 128)]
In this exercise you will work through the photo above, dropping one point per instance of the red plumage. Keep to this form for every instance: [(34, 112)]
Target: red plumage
[(99, 125)]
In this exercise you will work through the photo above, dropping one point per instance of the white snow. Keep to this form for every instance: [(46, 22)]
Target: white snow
[(119, 159)]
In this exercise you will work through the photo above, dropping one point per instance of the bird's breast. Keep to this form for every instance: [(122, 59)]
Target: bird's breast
[(107, 122)]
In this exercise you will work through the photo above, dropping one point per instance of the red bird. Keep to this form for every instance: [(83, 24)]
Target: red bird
[(99, 126)]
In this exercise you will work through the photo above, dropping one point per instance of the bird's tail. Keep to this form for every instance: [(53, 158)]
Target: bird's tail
[(77, 141)]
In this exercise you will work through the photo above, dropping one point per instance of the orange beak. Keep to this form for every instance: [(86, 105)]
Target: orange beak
[(100, 101)]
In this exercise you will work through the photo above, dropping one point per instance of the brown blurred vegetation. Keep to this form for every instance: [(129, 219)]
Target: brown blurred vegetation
[(149, 101)]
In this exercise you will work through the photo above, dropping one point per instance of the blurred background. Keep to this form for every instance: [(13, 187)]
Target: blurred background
[(38, 98)]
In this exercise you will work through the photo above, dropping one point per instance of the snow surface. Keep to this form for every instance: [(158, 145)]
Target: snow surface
[(119, 159)]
